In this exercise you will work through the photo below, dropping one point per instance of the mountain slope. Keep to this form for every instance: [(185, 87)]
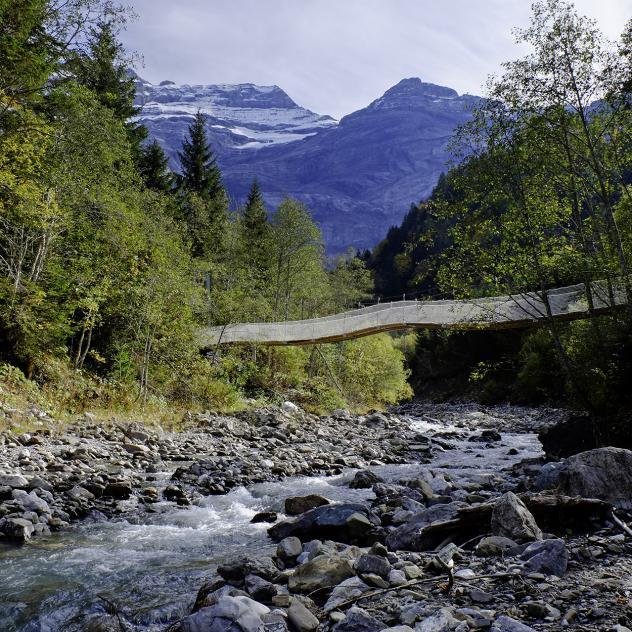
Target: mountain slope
[(358, 176)]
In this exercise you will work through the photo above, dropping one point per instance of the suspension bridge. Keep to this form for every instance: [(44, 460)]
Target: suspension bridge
[(498, 312)]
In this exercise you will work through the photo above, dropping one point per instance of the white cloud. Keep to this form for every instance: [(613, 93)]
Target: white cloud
[(335, 56)]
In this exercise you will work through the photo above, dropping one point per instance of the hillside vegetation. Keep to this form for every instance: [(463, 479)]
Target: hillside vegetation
[(110, 263), (540, 197)]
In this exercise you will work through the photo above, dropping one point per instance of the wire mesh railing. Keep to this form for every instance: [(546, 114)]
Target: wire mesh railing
[(499, 311)]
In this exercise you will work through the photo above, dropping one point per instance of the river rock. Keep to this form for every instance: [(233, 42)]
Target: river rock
[(348, 589), (494, 545), (604, 473), (17, 529), (372, 565), (441, 621), (237, 570), (264, 516), (296, 505), (289, 549), (411, 537), (322, 571), (548, 556), (365, 479), (259, 588), (13, 480), (301, 618), (359, 620), (512, 519), (229, 614), (507, 624), (347, 522)]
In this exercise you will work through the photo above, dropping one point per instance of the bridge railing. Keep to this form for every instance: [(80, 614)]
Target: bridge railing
[(479, 312)]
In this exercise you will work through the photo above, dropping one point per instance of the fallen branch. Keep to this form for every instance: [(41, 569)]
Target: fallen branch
[(621, 524), (418, 582)]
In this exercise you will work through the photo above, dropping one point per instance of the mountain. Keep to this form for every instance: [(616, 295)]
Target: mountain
[(358, 176)]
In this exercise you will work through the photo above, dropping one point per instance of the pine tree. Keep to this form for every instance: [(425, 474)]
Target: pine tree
[(256, 227), (204, 200), (154, 168), (104, 69), (200, 173), (255, 236)]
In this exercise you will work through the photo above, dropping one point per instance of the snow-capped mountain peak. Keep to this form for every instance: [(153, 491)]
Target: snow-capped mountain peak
[(247, 115)]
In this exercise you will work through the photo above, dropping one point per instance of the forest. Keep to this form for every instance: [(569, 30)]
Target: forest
[(111, 263), (539, 197)]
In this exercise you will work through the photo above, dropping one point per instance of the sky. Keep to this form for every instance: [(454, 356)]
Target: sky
[(336, 56)]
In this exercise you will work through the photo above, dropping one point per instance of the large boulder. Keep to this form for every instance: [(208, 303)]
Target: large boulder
[(321, 572), (604, 473), (17, 529), (229, 614), (351, 523), (511, 519), (411, 536), (295, 505), (548, 556)]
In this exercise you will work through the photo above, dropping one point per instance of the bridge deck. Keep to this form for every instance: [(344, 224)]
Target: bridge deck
[(499, 312)]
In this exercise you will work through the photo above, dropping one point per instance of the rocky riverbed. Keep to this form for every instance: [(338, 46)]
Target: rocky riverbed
[(429, 517)]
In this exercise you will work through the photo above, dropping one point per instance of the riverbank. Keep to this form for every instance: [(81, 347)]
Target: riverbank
[(170, 512)]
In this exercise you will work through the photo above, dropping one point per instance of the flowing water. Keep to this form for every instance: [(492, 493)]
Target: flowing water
[(150, 569)]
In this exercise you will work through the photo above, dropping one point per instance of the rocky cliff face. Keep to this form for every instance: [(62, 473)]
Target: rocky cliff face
[(358, 176)]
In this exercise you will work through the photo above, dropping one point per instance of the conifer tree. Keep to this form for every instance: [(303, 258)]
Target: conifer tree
[(200, 173), (255, 220), (154, 168), (204, 200), (104, 69)]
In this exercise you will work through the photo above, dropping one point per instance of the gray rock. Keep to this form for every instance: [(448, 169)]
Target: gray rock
[(541, 610), (259, 588), (13, 480), (441, 621), (359, 620), (548, 556), (31, 501), (397, 578), (411, 536), (365, 479), (604, 473), (494, 545), (347, 522), (289, 549), (507, 624), (372, 564), (229, 614), (301, 618), (512, 519), (290, 408), (475, 617), (548, 477), (17, 529), (323, 571), (348, 589), (80, 493), (296, 505)]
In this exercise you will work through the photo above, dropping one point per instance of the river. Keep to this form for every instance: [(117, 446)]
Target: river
[(151, 566)]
